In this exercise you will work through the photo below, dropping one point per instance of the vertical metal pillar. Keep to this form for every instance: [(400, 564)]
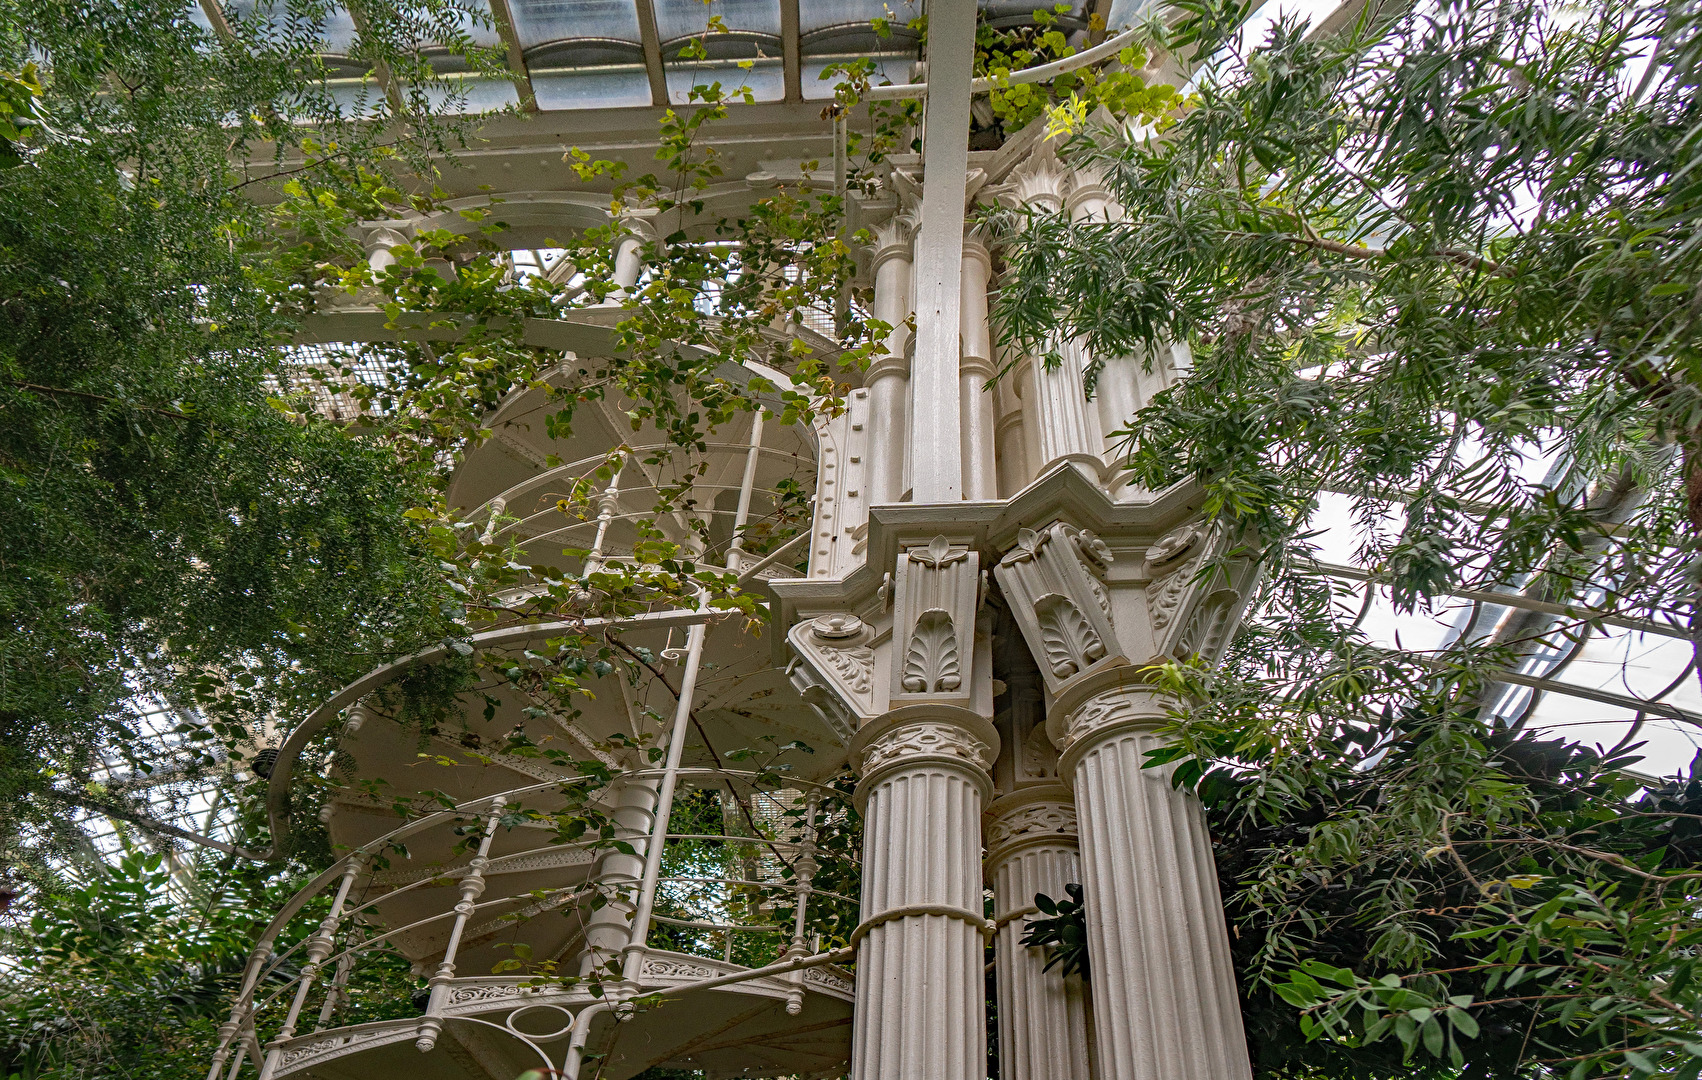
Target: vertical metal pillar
[(937, 455)]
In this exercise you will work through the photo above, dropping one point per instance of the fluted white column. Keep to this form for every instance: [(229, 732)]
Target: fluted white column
[(1031, 848), (975, 367), (1059, 410), (921, 1007), (888, 377), (1164, 1000), (1010, 440), (618, 874)]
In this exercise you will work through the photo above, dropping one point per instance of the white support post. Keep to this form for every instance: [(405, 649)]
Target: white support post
[(1031, 848), (318, 948), (629, 253), (472, 887), (936, 453), (980, 467), (736, 546), (1164, 1000), (619, 875), (889, 376)]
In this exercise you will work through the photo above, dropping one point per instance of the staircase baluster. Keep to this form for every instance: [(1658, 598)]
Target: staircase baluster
[(228, 1030), (804, 871), (472, 886), (318, 948)]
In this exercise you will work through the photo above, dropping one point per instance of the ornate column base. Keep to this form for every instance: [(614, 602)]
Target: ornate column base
[(921, 1012), (1164, 999), (1032, 848)]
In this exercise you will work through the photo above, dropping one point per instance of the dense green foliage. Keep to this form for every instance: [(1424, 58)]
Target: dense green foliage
[(166, 534), (1411, 260)]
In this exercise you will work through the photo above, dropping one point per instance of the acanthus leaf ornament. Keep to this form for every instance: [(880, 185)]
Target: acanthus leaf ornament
[(1069, 643), (1053, 579), (938, 594), (931, 662)]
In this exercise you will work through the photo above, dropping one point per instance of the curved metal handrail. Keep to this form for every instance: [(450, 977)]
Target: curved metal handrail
[(250, 1004), (278, 785)]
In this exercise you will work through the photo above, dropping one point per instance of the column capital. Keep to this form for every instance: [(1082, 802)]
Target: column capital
[(1044, 814), (1105, 702), (1086, 187), (893, 238), (930, 734), (640, 220), (1040, 181), (975, 247)]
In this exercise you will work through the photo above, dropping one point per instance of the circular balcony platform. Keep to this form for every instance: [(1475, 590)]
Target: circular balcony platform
[(496, 1027)]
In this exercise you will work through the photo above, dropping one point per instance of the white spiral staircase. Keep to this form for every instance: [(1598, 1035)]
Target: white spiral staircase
[(542, 950)]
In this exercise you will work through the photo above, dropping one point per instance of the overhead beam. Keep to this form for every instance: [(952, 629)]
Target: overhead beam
[(216, 16), (1101, 8), (1525, 603), (790, 50), (1588, 693), (380, 70), (503, 14), (652, 40)]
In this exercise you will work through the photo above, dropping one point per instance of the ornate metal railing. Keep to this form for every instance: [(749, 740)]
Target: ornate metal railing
[(745, 895)]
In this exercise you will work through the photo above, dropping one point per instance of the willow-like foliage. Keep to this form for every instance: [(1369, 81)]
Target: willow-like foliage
[(1414, 260), (166, 534)]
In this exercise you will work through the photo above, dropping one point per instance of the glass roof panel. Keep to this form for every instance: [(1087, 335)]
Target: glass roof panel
[(478, 23), (1012, 12), (576, 23), (592, 88), (339, 29), (894, 69), (476, 95), (766, 79), (847, 27), (677, 20)]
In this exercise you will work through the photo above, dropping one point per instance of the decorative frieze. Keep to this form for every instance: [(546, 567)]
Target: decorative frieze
[(1047, 817), (925, 740)]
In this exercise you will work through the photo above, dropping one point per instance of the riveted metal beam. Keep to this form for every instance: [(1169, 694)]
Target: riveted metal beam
[(792, 59), (652, 40), (502, 13)]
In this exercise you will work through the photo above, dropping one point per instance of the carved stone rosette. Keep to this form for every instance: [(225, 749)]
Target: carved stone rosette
[(1032, 848), (919, 1010), (1055, 581)]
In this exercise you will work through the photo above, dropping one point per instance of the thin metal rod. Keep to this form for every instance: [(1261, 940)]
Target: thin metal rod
[(1028, 75), (665, 804), (736, 548), (1523, 603)]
